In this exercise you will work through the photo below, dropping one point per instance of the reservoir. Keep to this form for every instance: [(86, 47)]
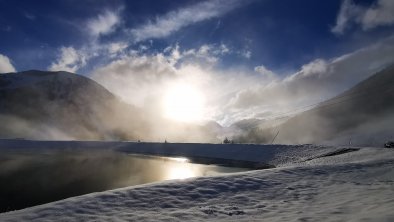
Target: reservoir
[(30, 177)]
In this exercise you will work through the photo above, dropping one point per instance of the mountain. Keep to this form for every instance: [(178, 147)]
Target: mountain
[(62, 105), (363, 115), (66, 106)]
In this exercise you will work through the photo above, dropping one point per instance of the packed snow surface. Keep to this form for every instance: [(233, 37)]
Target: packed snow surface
[(336, 185)]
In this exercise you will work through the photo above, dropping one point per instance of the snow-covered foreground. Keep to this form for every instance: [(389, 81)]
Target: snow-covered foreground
[(354, 186)]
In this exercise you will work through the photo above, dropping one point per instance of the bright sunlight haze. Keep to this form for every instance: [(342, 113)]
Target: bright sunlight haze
[(183, 103)]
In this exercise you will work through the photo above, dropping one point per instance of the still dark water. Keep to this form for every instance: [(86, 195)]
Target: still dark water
[(29, 178)]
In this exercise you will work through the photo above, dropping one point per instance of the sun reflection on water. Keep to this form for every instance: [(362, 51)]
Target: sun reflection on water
[(180, 171), (179, 159)]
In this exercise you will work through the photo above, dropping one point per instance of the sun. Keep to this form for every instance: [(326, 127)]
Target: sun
[(184, 103)]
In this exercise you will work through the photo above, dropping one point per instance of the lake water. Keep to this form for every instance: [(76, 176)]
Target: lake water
[(31, 177)]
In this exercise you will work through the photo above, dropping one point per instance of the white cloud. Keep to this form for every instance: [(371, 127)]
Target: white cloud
[(317, 68), (208, 53), (136, 77), (165, 25), (116, 48), (265, 73), (103, 24), (347, 13), (314, 82), (380, 13), (246, 54), (5, 64), (69, 60), (141, 78)]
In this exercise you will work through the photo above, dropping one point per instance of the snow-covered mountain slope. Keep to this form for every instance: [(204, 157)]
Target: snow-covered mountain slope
[(65, 106), (362, 116), (61, 105), (354, 186)]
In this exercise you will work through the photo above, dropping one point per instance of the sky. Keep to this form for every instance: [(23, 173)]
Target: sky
[(234, 59)]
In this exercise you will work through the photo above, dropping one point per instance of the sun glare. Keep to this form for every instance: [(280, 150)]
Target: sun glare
[(179, 159), (183, 103), (180, 172)]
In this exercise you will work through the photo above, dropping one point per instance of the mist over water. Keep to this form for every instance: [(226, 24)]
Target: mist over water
[(91, 112), (29, 178)]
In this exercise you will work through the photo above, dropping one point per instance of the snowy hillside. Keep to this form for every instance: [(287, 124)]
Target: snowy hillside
[(62, 105), (325, 186), (66, 106), (361, 115)]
